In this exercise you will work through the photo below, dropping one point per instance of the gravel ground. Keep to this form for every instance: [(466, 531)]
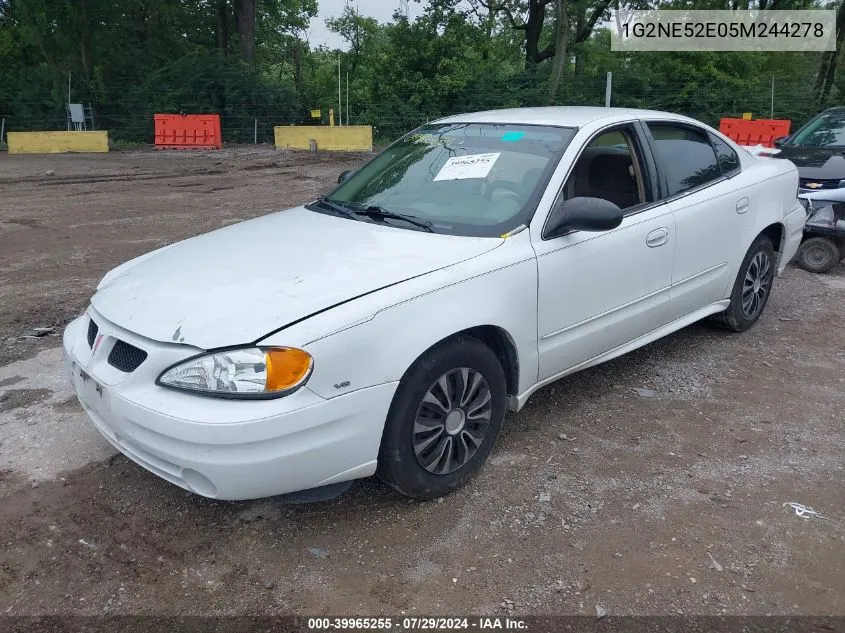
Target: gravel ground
[(652, 485)]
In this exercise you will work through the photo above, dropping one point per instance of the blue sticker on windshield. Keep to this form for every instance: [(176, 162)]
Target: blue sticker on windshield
[(512, 136)]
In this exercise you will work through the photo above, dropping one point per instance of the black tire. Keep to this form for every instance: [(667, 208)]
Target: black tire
[(740, 315), (413, 424), (818, 254)]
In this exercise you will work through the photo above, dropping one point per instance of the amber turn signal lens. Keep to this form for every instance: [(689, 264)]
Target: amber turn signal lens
[(286, 368)]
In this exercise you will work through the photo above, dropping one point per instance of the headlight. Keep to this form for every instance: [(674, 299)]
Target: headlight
[(241, 373)]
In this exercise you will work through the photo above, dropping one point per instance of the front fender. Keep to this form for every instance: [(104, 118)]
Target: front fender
[(380, 349)]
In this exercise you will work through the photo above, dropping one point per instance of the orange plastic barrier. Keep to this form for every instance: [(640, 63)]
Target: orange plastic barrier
[(188, 131), (756, 132)]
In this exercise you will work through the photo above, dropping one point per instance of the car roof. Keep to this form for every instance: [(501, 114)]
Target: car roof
[(567, 116)]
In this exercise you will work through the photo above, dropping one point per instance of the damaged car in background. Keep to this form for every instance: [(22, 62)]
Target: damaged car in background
[(823, 245), (818, 150), (387, 327)]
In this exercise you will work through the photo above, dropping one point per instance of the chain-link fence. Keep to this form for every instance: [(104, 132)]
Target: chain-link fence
[(251, 118)]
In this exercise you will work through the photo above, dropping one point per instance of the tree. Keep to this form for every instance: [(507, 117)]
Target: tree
[(574, 23), (245, 14), (249, 59), (222, 27), (356, 30), (827, 71), (527, 16)]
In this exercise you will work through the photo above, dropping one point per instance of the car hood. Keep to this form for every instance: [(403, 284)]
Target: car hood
[(238, 284), (824, 163)]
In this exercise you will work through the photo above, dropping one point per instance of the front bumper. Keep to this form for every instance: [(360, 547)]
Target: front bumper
[(224, 449)]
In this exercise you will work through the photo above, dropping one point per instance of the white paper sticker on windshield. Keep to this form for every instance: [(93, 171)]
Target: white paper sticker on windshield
[(472, 166)]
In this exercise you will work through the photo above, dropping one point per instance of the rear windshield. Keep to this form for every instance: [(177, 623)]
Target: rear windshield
[(828, 130)]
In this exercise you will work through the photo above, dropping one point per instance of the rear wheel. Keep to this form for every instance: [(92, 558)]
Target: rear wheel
[(751, 289), (444, 419), (818, 254)]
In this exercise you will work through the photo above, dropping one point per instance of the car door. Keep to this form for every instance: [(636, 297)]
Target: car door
[(714, 212), (598, 291)]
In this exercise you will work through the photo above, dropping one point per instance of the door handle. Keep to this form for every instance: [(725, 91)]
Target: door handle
[(658, 237), (742, 206)]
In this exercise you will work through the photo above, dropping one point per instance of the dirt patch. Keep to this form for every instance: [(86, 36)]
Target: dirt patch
[(17, 398), (59, 234), (12, 380), (68, 404), (595, 494)]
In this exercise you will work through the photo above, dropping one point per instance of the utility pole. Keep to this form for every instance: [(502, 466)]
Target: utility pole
[(339, 96), (772, 116)]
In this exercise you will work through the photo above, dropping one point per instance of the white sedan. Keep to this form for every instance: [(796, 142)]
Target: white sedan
[(387, 327)]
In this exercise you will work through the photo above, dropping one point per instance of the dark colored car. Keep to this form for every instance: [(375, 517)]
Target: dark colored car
[(818, 151)]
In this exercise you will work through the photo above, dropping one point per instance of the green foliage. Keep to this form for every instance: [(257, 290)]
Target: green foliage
[(202, 84), (132, 58)]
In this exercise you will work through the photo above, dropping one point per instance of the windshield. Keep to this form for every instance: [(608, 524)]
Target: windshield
[(828, 130), (464, 179)]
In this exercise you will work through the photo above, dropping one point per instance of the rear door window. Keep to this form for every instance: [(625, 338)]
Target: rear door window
[(685, 157)]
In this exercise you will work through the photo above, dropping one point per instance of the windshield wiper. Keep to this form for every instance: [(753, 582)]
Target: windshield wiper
[(334, 206), (379, 213)]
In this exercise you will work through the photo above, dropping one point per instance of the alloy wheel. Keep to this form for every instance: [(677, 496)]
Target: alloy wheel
[(452, 420), (756, 285)]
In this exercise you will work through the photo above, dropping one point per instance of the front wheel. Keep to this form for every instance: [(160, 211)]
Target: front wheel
[(751, 289), (444, 419)]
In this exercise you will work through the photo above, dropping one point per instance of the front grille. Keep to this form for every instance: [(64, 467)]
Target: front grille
[(92, 332), (126, 357), (825, 184)]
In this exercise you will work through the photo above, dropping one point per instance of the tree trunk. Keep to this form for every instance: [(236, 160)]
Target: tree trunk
[(561, 46), (222, 29), (245, 11), (488, 29), (824, 80), (84, 40), (827, 71), (579, 62), (533, 31), (39, 40), (296, 53), (578, 51)]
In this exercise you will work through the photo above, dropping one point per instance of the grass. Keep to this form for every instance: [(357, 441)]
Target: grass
[(119, 145)]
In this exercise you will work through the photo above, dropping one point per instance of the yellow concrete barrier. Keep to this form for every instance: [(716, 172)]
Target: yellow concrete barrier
[(57, 142), (350, 138)]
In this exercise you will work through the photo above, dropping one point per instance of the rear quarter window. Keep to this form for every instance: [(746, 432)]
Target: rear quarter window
[(728, 159)]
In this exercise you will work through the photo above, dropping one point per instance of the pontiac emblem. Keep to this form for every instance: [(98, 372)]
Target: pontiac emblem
[(97, 342)]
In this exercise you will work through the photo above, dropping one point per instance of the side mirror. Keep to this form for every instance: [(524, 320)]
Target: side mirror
[(345, 176), (583, 214), (780, 141)]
